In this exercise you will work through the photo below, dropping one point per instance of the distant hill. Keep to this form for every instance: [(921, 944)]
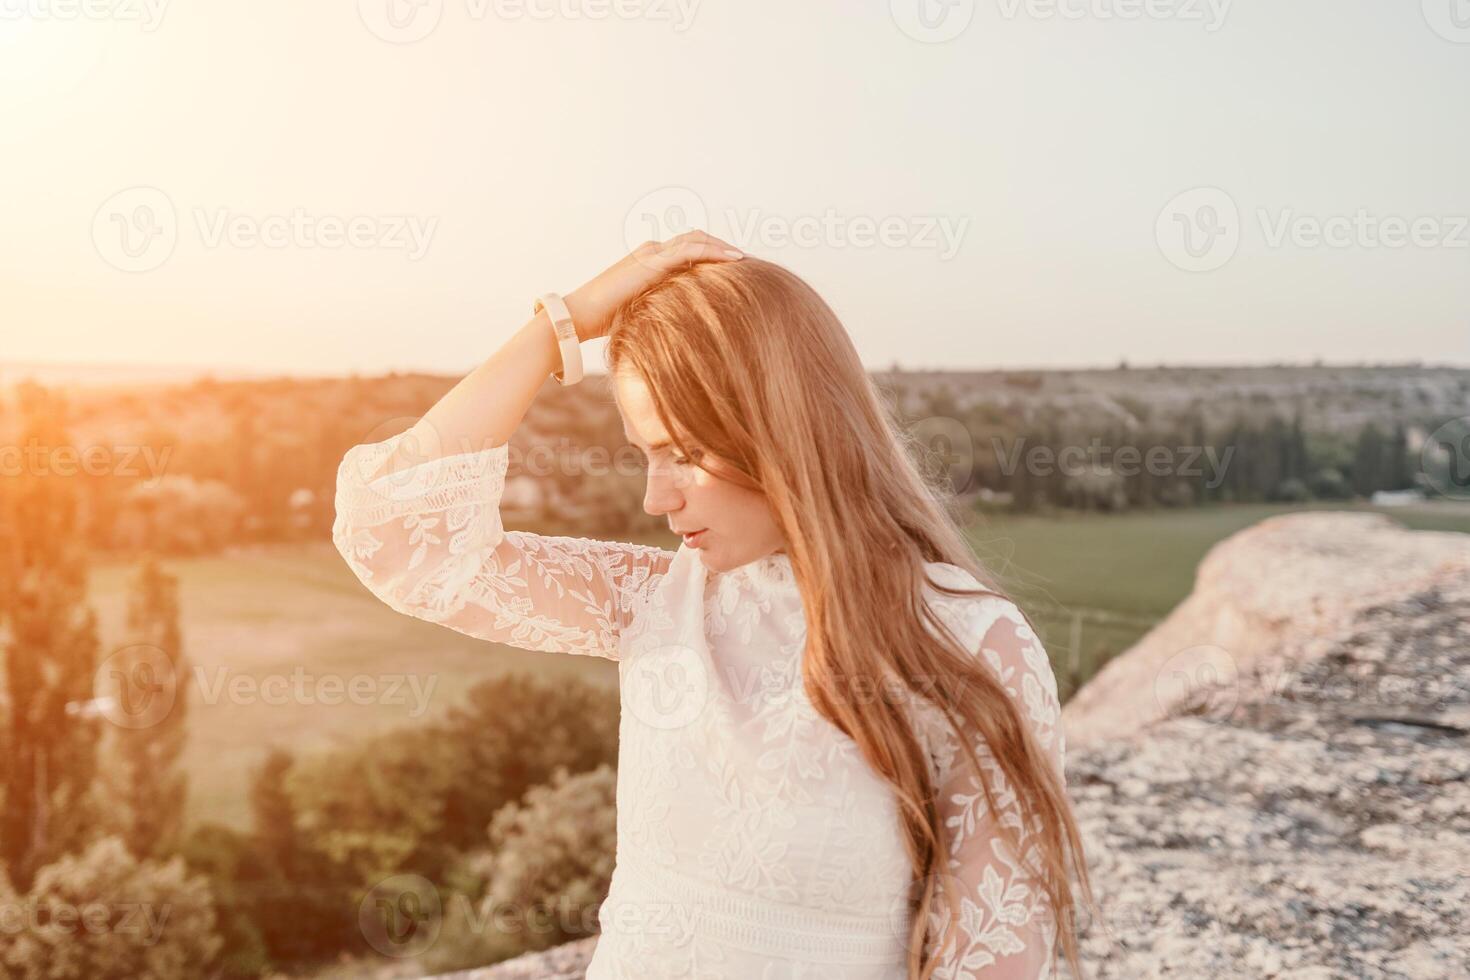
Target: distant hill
[(115, 375), (1332, 398)]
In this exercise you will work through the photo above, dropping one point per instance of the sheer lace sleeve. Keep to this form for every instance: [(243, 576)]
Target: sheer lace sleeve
[(1005, 930), (428, 541)]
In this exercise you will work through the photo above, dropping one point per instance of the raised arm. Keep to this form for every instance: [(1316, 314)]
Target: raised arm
[(1006, 930), (418, 514)]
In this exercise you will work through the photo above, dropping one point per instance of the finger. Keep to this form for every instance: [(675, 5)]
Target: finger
[(700, 250), (682, 251), (701, 236)]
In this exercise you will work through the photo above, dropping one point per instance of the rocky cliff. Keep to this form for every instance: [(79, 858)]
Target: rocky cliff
[(1275, 782)]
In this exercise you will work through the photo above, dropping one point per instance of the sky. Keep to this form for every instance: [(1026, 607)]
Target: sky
[(372, 185)]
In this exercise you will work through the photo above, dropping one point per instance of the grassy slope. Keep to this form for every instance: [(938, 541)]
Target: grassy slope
[(271, 611), (267, 612), (1110, 577)]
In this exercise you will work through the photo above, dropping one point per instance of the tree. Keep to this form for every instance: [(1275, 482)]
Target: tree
[(222, 855), (146, 788), (1400, 470), (1368, 462), (158, 921), (295, 897), (50, 649), (513, 732), (553, 853)]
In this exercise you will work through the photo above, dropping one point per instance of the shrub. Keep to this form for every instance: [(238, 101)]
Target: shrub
[(551, 858), (513, 732), (104, 914), (221, 855)]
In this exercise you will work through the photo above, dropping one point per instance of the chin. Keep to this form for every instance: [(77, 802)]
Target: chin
[(716, 560)]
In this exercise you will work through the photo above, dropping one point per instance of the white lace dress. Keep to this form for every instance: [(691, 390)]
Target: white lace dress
[(753, 840)]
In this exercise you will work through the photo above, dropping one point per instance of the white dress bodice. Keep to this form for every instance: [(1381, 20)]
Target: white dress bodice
[(747, 823)]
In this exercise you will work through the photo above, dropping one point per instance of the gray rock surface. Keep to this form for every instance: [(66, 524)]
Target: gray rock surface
[(1275, 782), (1311, 818), (565, 962)]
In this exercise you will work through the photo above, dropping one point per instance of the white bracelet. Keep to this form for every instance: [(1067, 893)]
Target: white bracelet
[(566, 337)]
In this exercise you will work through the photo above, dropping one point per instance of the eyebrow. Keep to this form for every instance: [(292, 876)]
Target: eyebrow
[(661, 444)]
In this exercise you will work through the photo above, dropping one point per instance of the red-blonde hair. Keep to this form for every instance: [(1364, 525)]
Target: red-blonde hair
[(746, 363)]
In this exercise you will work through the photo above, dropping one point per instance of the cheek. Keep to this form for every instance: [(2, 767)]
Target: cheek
[(731, 506), (710, 496)]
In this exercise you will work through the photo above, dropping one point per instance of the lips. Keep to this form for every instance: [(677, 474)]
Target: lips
[(693, 538)]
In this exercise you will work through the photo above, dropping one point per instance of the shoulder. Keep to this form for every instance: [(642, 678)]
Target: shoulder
[(995, 631), (970, 617)]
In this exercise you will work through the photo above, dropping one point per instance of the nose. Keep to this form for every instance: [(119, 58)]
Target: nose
[(662, 494)]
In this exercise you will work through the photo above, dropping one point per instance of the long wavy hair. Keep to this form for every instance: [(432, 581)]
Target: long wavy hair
[(755, 378)]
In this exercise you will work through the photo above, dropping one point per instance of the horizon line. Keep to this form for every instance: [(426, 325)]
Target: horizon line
[(195, 372)]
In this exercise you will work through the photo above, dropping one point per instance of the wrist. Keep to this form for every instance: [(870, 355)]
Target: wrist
[(584, 317), (568, 338)]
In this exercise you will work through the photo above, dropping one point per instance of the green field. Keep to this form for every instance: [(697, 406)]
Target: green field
[(262, 614), (1094, 583)]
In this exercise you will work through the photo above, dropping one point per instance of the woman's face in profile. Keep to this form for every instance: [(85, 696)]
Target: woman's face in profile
[(735, 524)]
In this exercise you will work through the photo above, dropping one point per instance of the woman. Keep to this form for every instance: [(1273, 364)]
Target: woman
[(840, 752)]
